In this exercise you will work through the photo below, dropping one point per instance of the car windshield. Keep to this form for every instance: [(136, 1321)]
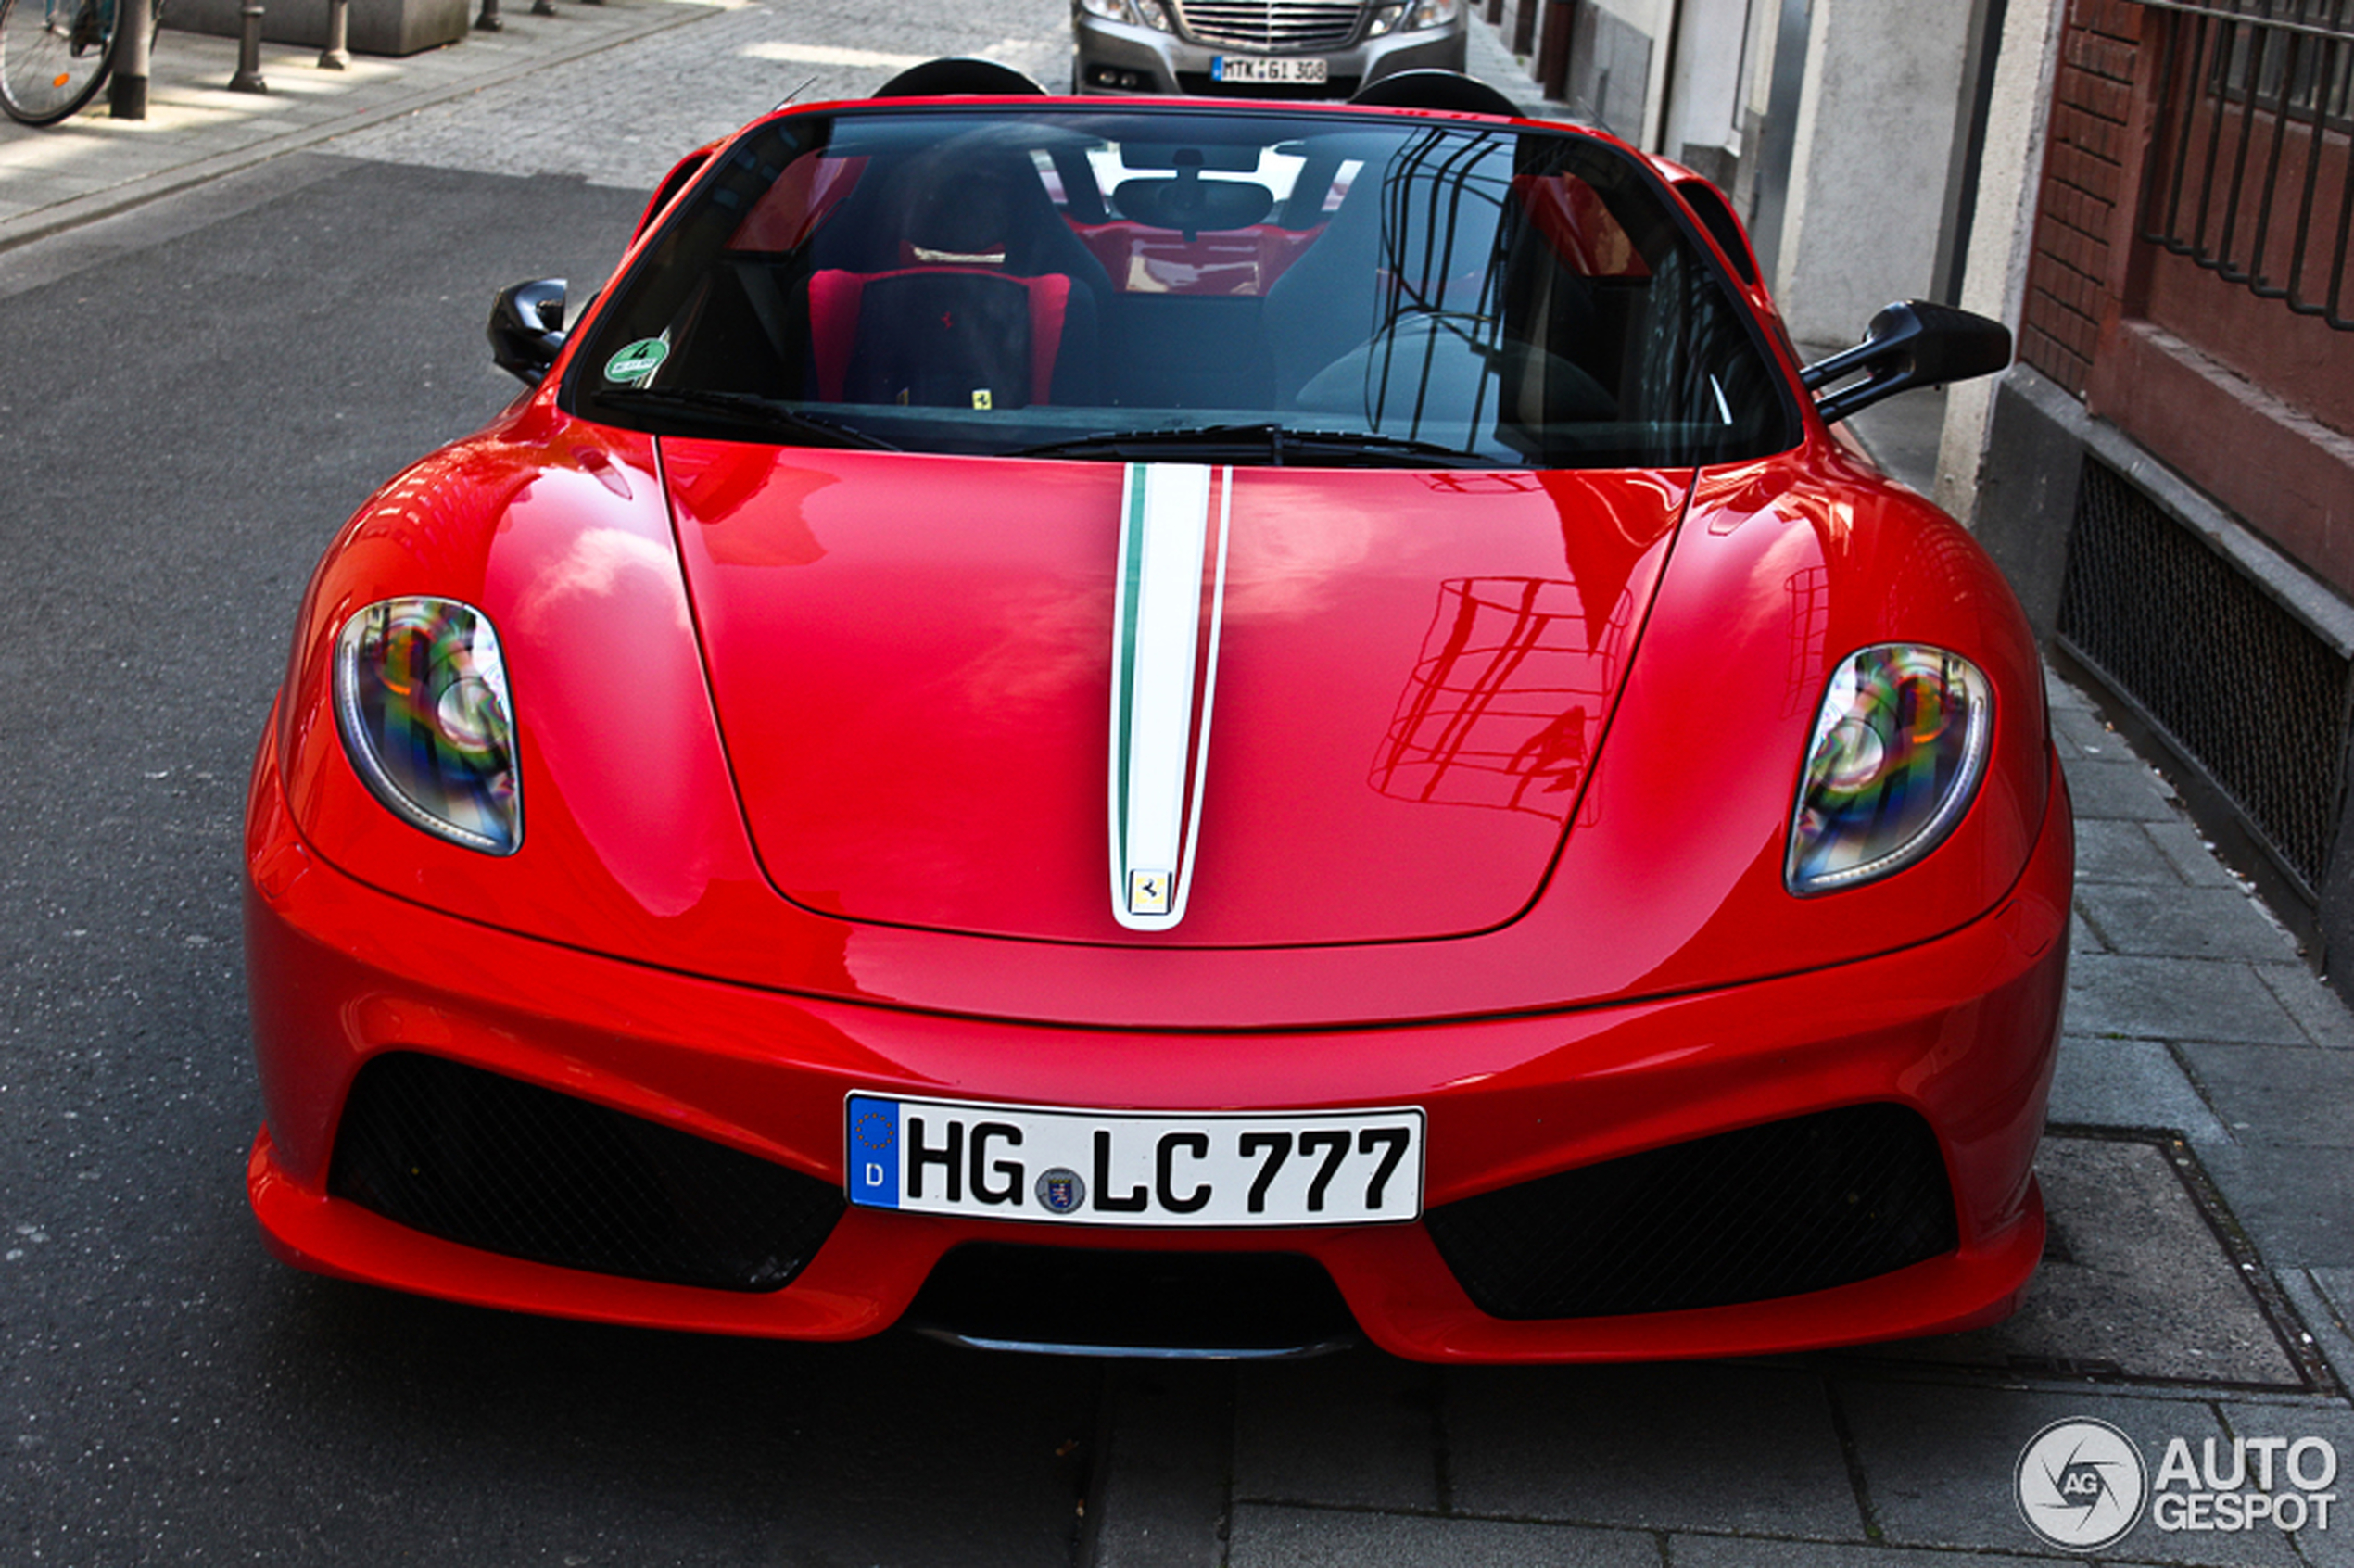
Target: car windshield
[(1232, 287)]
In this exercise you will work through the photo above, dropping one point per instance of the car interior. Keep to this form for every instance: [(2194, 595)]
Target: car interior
[(1472, 288)]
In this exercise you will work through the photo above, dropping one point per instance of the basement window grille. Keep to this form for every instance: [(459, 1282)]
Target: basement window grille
[(2250, 174), (2240, 684)]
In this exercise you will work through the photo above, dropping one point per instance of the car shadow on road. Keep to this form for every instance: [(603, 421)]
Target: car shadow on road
[(693, 1447)]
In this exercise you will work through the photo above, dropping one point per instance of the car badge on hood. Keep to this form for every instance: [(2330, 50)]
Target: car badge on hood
[(1172, 587)]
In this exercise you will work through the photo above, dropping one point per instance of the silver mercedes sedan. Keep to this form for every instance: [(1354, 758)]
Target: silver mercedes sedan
[(1260, 48)]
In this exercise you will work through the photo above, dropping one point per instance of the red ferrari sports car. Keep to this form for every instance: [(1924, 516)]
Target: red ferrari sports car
[(1181, 728)]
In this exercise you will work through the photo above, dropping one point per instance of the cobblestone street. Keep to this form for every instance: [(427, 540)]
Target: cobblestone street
[(624, 116)]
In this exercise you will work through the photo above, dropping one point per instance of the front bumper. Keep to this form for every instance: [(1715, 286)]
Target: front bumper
[(1116, 58), (1962, 1030)]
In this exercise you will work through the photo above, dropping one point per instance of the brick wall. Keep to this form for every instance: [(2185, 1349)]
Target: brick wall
[(2084, 184)]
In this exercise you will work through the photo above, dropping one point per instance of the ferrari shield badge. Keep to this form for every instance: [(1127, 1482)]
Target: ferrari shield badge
[(1149, 892)]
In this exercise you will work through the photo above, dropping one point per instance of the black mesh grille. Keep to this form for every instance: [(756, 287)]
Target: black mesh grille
[(2241, 685), (1781, 1209), (505, 1166)]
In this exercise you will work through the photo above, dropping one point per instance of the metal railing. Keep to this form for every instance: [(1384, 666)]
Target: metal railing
[(2250, 174)]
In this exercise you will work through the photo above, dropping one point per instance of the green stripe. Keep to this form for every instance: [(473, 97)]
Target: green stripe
[(1131, 549)]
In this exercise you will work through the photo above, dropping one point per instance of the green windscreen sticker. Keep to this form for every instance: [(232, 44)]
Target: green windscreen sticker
[(637, 362)]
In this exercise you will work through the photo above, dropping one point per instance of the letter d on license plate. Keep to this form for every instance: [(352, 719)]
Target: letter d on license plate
[(1121, 1168)]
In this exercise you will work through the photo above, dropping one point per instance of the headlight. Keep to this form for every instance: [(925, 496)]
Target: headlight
[(1418, 14), (421, 698), (1135, 13), (1900, 745)]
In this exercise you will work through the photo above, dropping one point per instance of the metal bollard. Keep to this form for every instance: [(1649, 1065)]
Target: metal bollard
[(127, 88), (1551, 65), (248, 76), (489, 20), (543, 8), (337, 55)]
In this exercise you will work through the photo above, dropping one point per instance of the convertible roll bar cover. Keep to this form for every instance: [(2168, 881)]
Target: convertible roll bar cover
[(955, 76), (1435, 89)]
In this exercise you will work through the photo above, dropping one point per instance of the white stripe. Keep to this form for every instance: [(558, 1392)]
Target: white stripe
[(1157, 709), (1209, 698), (1160, 697)]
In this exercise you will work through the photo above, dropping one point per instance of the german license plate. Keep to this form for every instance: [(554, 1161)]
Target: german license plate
[(1283, 72), (1121, 1168)]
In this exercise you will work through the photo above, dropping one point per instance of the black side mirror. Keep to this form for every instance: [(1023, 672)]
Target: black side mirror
[(1913, 343), (527, 328)]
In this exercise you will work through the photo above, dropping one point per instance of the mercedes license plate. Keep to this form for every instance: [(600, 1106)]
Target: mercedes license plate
[(1124, 1167), (1283, 72)]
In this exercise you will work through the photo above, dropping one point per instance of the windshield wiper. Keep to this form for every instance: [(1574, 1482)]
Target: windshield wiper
[(1269, 443), (746, 406)]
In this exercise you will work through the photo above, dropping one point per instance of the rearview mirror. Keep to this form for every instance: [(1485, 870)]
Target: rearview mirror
[(527, 328), (1192, 205), (1913, 343)]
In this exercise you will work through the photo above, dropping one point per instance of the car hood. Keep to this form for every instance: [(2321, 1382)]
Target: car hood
[(1401, 685)]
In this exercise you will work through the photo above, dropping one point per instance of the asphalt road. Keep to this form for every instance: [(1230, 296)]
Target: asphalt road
[(195, 398)]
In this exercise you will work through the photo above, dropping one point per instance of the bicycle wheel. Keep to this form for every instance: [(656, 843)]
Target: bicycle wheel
[(53, 55)]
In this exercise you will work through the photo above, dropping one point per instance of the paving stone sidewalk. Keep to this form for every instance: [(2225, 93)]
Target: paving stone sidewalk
[(611, 93), (196, 130)]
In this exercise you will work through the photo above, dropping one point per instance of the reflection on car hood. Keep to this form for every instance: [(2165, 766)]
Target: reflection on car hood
[(913, 662)]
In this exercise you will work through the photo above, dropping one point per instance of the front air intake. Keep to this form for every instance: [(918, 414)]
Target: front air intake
[(1773, 1210), (492, 1162)]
